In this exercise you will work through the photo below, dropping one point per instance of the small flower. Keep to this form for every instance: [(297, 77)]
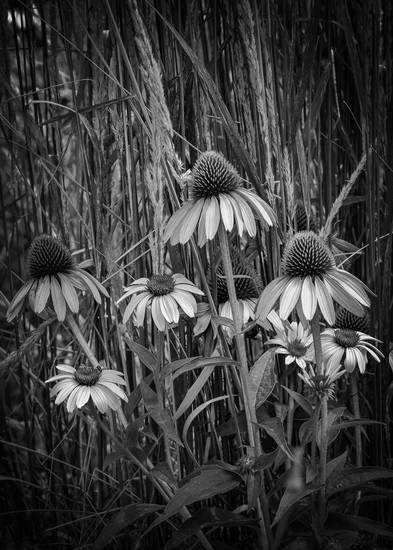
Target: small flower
[(164, 293), (293, 340), (53, 273), (85, 382), (321, 385), (216, 194), (311, 278), (348, 346)]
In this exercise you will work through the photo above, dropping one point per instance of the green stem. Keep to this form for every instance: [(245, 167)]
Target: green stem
[(323, 457), (316, 336), (76, 331)]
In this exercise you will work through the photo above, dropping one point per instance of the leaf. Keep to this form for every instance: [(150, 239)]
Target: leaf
[(336, 465), (262, 378), (275, 429), (194, 390), (182, 366), (352, 477), (147, 357), (300, 400), (289, 499), (127, 516), (338, 521), (207, 517), (157, 412), (206, 483)]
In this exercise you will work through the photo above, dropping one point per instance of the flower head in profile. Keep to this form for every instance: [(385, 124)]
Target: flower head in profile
[(311, 279), (164, 294), (321, 385), (348, 347), (53, 275), (78, 385), (216, 194), (293, 341)]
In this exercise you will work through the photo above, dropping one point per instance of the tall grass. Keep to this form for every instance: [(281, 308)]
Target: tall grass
[(104, 106)]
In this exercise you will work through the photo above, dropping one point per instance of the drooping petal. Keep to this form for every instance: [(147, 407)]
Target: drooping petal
[(263, 209), (237, 213), (140, 310), (89, 285), (135, 300), (212, 218), (112, 400), (69, 293), (247, 214), (94, 282), (308, 297), (99, 398), (290, 297), (202, 238), (189, 224), (158, 317), (350, 360), (170, 309), (83, 396), (226, 211), (129, 291), (186, 301), (325, 301), (175, 221), (342, 297), (270, 296), (109, 375), (17, 302), (58, 301), (42, 294), (114, 389), (65, 392)]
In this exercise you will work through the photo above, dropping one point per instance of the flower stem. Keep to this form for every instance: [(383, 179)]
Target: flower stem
[(323, 457), (263, 510), (316, 336), (356, 414), (76, 331)]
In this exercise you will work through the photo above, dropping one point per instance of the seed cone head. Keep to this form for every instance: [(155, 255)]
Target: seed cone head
[(213, 174), (346, 337), (87, 375), (245, 278), (347, 320), (306, 254), (48, 256), (159, 285)]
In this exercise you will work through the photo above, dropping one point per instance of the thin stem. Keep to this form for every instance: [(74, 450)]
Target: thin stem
[(316, 336), (76, 331), (323, 457), (356, 414)]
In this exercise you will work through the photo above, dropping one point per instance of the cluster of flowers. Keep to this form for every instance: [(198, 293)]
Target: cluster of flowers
[(310, 282)]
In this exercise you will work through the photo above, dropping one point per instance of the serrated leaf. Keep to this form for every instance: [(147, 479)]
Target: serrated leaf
[(157, 412), (127, 516), (207, 517), (275, 429), (262, 378), (207, 483)]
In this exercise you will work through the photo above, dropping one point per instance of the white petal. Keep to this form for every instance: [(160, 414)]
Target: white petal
[(42, 294), (83, 396), (226, 211), (175, 221), (186, 301), (247, 213), (189, 224), (212, 218), (135, 300), (140, 310), (270, 296), (158, 317), (69, 293), (57, 299), (114, 389), (309, 299), (17, 302), (290, 296), (65, 392)]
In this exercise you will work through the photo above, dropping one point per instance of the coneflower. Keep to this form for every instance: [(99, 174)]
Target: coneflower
[(311, 278), (347, 320), (164, 294), (53, 274), (216, 194), (321, 385)]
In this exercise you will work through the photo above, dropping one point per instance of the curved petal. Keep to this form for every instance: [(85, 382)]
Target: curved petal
[(158, 317), (17, 302), (114, 389), (342, 297), (309, 298), (247, 213), (264, 210), (270, 296), (42, 293), (99, 398), (189, 224), (83, 396), (290, 297), (325, 301), (69, 293), (65, 392), (169, 309), (175, 221), (58, 301), (186, 301), (134, 302), (227, 215), (212, 218)]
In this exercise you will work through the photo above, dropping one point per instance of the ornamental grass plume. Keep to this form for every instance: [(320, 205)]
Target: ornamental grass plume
[(348, 347), (53, 275), (79, 385), (311, 279), (164, 294), (216, 195)]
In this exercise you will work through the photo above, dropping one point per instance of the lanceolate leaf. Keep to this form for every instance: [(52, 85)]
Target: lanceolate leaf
[(127, 516), (289, 499), (275, 429), (207, 483), (353, 477), (300, 400), (357, 523), (182, 366), (194, 390), (262, 378), (157, 412), (147, 357)]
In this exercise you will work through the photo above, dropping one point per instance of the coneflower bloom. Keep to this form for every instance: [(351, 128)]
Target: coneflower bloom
[(320, 385), (164, 294), (293, 341), (53, 274), (216, 194), (349, 347), (311, 279), (346, 319), (78, 385)]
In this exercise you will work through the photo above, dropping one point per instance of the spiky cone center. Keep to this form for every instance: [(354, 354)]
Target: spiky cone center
[(87, 375), (346, 338), (160, 285), (48, 256), (212, 174), (297, 349), (347, 320), (306, 254)]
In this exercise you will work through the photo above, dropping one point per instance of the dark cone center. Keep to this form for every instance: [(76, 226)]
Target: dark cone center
[(297, 349), (346, 338), (48, 256), (213, 174), (307, 255), (347, 320), (159, 285), (87, 375)]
